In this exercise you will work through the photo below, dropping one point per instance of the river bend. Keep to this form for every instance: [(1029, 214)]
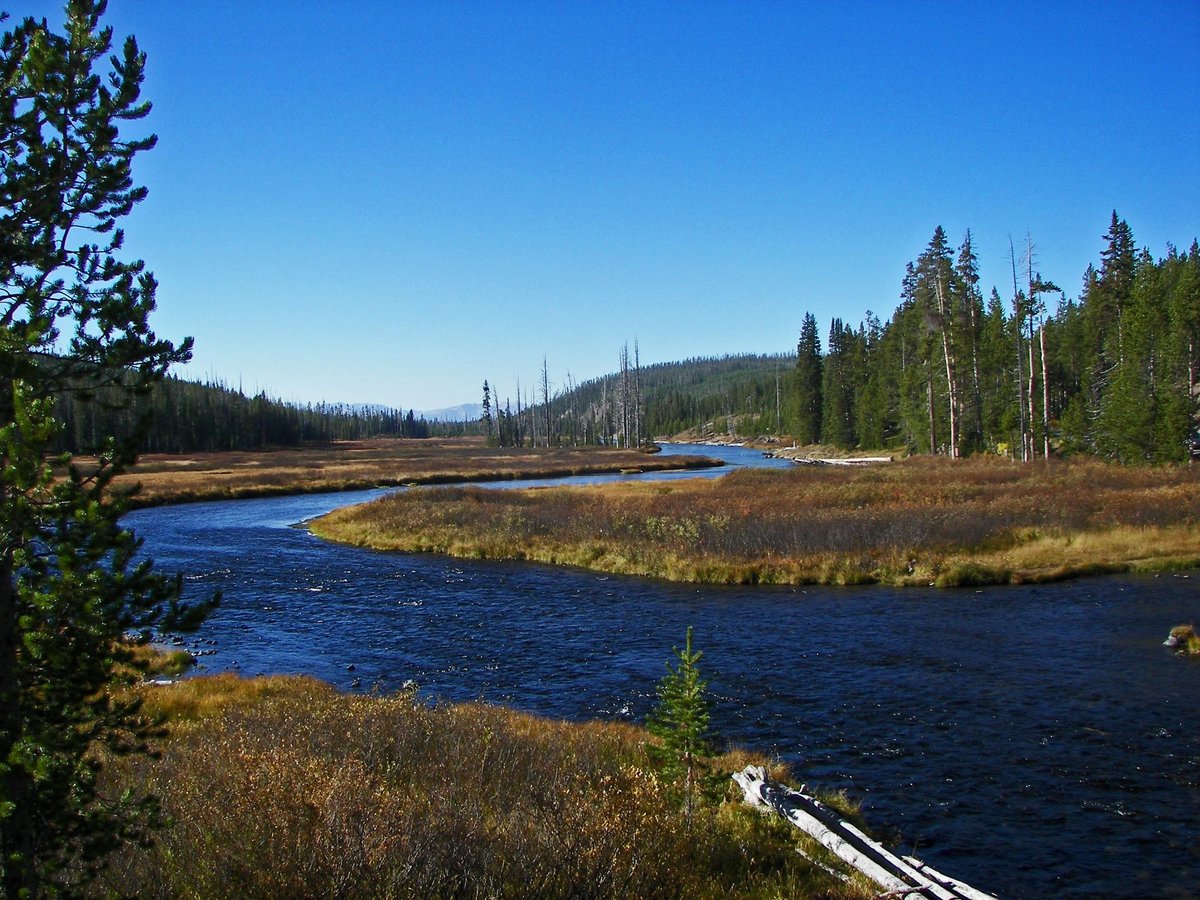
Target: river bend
[(1033, 741)]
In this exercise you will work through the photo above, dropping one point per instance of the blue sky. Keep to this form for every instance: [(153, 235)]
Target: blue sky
[(389, 202)]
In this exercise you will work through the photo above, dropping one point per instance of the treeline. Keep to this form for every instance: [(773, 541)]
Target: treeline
[(743, 394), (1112, 374), (607, 411), (190, 417)]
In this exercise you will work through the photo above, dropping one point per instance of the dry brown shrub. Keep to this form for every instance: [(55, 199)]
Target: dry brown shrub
[(308, 793)]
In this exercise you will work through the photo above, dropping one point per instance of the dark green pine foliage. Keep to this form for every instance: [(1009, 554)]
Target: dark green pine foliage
[(809, 386), (190, 417), (997, 389), (1180, 356), (681, 724), (489, 426), (915, 326), (1098, 408), (845, 376), (875, 403), (1127, 355), (968, 304), (75, 319)]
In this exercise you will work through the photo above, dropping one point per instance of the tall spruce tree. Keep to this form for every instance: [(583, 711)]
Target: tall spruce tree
[(489, 423), (840, 386), (808, 382), (969, 304), (74, 319)]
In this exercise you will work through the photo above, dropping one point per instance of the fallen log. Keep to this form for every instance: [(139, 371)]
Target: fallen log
[(898, 876)]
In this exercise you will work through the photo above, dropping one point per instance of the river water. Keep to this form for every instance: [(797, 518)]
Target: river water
[(1032, 741)]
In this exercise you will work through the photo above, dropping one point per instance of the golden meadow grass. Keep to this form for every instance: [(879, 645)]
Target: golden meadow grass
[(920, 521), (353, 465), (282, 787)]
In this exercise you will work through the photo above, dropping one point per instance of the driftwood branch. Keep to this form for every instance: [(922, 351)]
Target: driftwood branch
[(897, 876)]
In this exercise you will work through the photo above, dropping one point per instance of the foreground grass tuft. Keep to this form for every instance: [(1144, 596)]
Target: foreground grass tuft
[(282, 787), (924, 521)]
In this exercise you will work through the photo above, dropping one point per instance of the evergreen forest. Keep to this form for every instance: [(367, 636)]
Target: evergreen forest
[(178, 416), (1112, 373)]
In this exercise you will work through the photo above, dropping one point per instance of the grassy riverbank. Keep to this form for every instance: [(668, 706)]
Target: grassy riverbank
[(354, 465), (920, 521), (282, 787)]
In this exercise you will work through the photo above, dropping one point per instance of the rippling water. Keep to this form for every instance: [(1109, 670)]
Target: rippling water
[(1033, 741)]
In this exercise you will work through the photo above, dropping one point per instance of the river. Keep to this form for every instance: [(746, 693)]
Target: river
[(1032, 741)]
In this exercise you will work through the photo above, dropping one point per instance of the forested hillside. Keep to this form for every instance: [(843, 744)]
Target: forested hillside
[(188, 417), (1112, 373), (745, 393)]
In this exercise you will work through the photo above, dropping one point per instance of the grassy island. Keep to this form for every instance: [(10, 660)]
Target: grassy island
[(386, 462), (283, 787), (923, 521)]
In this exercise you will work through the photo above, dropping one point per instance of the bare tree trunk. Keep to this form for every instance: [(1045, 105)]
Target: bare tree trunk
[(1017, 316), (948, 353), (519, 436), (1191, 367), (637, 395), (546, 398), (1036, 286), (1045, 394), (932, 411), (626, 399), (1032, 395)]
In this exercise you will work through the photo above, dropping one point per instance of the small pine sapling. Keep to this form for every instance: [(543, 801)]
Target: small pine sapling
[(681, 724)]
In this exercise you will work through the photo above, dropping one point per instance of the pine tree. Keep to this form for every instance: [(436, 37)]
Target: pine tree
[(808, 382), (874, 407), (969, 303), (74, 320), (681, 724), (489, 427)]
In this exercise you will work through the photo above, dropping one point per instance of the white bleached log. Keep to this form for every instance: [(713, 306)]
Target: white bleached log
[(899, 877), (965, 889)]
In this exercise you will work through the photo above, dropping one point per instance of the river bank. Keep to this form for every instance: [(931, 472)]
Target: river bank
[(997, 718), (922, 521), (283, 787), (358, 465)]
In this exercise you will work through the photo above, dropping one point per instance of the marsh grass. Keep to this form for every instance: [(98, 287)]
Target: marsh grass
[(282, 787), (1187, 641), (920, 521), (355, 465), (136, 660)]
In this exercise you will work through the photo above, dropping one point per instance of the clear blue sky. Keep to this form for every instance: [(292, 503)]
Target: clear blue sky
[(389, 202)]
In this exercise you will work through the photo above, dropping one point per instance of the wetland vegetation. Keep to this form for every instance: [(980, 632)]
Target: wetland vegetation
[(391, 796), (925, 520), (352, 465)]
